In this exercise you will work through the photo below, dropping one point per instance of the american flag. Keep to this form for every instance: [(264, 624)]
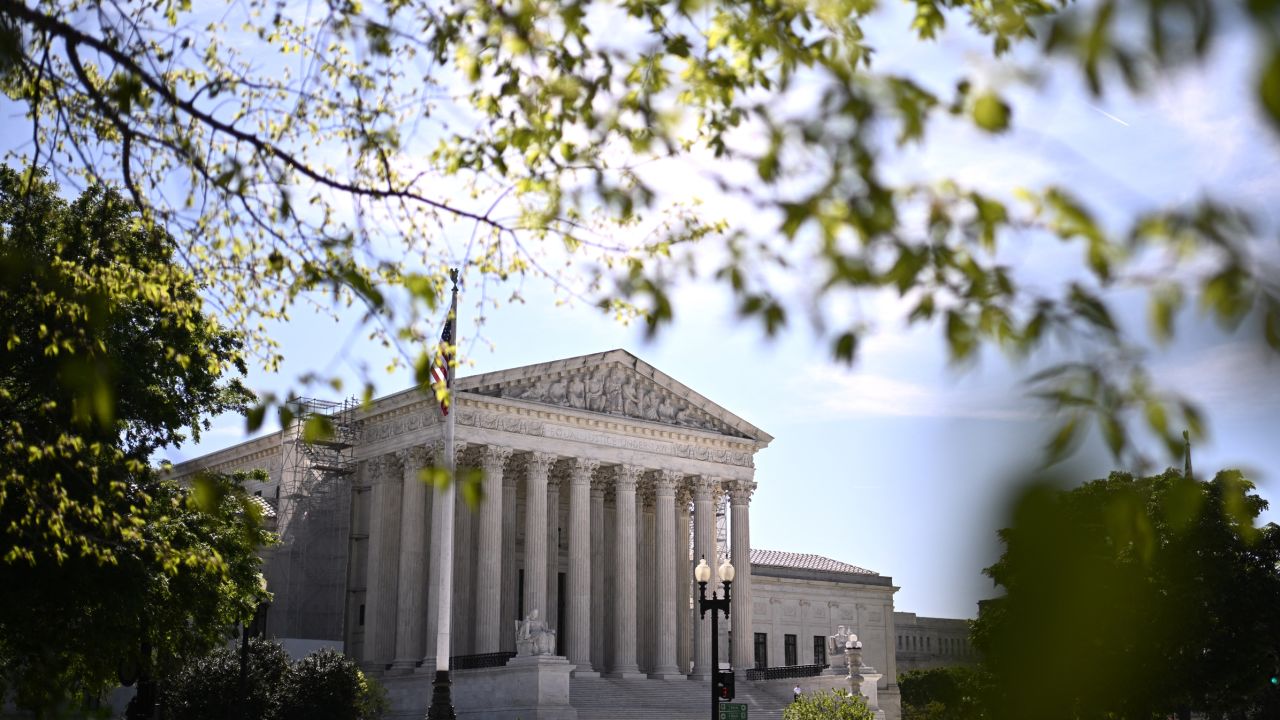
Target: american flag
[(440, 368)]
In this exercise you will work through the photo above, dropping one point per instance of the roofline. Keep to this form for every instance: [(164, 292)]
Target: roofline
[(627, 358), (790, 573)]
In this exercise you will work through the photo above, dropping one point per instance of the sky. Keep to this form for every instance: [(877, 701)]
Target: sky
[(904, 464)]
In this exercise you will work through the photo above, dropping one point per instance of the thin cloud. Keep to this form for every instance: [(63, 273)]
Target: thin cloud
[(1107, 115), (827, 393), (1235, 377)]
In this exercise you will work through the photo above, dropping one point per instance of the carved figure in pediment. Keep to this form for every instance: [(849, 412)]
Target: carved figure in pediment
[(666, 411), (649, 405), (613, 391), (631, 399), (557, 393), (577, 391), (524, 392), (595, 390)]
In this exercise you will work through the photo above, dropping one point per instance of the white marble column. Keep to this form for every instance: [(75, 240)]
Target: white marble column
[(578, 586), (383, 564), (683, 573), (434, 579), (645, 626), (507, 627), (535, 534), (488, 590), (597, 577), (610, 575), (412, 586), (665, 612), (624, 597), (741, 610), (553, 555), (704, 540), (463, 569)]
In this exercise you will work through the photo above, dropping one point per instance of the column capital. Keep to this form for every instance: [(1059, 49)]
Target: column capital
[(540, 463), (385, 468), (740, 491), (493, 458), (703, 487), (627, 476), (582, 469), (664, 482), (683, 494), (598, 488), (414, 458)]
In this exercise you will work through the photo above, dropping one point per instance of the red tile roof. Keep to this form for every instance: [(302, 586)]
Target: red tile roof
[(804, 561)]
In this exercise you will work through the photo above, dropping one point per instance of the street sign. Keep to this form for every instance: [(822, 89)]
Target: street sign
[(733, 711)]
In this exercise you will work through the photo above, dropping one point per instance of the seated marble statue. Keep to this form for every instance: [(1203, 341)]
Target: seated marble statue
[(835, 643), (533, 637)]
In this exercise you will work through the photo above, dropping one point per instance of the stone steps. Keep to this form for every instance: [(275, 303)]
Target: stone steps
[(618, 699)]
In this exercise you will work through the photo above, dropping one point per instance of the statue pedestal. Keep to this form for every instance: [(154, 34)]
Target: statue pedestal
[(533, 687), (839, 665), (863, 682)]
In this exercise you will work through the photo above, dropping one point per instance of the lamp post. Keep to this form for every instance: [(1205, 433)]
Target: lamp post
[(702, 573)]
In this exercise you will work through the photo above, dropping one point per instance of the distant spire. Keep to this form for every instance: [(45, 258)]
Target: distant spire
[(1186, 463)]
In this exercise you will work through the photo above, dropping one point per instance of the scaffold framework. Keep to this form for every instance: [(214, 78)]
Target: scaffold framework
[(314, 514)]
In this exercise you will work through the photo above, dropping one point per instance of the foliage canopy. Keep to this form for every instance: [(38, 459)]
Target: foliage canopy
[(340, 146), (1135, 597), (954, 693), (108, 357)]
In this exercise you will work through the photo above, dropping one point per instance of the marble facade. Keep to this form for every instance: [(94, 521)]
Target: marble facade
[(598, 476)]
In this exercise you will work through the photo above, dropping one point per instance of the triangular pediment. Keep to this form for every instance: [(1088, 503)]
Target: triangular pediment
[(613, 383)]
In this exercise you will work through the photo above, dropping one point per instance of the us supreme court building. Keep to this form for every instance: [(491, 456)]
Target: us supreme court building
[(595, 484)]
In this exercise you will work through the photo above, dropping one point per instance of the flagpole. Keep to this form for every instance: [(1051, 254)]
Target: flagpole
[(441, 698)]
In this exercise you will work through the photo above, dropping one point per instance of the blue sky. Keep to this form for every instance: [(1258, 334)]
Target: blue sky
[(903, 464)]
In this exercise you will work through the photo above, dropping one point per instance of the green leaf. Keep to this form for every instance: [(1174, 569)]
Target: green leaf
[(1271, 327), (1164, 306), (991, 113), (1113, 432), (254, 417), (846, 347), (1269, 86), (317, 428), (1063, 440), (960, 336)]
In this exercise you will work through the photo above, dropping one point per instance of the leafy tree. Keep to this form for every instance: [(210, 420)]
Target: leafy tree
[(955, 693), (832, 705), (100, 557), (325, 685), (1135, 597), (108, 357), (296, 147), (69, 629)]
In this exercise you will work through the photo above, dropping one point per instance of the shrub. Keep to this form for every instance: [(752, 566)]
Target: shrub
[(328, 685), (208, 688), (830, 705), (325, 685)]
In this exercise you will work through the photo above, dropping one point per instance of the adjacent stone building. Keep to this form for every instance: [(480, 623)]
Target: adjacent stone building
[(924, 643)]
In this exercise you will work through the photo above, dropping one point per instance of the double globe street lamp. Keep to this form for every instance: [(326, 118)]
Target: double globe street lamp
[(721, 682)]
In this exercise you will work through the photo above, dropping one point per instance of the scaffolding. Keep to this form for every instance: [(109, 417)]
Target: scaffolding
[(314, 514)]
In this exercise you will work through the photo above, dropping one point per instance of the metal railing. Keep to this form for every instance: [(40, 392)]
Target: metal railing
[(486, 660), (786, 671)]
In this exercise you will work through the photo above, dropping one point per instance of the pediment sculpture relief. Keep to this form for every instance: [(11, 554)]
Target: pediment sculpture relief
[(614, 390)]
